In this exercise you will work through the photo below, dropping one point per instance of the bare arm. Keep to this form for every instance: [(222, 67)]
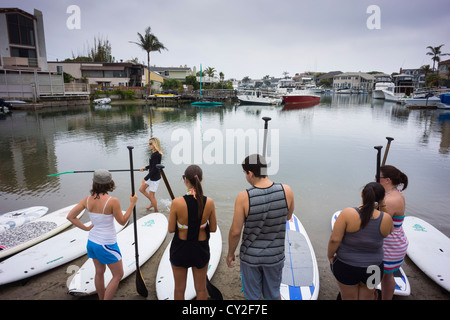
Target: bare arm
[(234, 234), (73, 214), (117, 212)]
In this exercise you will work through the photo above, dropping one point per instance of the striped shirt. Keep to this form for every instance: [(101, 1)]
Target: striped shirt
[(395, 246), (265, 227)]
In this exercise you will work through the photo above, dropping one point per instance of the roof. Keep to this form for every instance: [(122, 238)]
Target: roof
[(17, 10), (105, 68), (356, 74), (157, 69)]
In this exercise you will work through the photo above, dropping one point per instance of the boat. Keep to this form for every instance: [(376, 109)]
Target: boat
[(102, 101), (204, 103), (344, 91), (294, 98), (444, 102), (379, 87), (428, 100), (257, 97), (398, 93)]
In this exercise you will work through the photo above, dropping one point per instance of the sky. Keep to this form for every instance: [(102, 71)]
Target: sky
[(253, 38)]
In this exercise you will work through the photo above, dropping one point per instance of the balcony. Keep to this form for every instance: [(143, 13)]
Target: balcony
[(17, 62)]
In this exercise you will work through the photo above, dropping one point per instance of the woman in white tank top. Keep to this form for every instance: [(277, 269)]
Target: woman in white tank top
[(102, 242)]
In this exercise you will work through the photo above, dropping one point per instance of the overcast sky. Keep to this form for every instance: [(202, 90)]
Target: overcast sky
[(254, 38)]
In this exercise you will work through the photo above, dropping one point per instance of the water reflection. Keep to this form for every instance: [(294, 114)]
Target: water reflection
[(326, 150)]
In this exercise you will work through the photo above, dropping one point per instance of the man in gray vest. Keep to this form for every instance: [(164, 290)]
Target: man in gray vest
[(262, 210)]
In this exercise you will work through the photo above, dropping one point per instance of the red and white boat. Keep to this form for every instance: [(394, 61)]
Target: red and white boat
[(300, 98)]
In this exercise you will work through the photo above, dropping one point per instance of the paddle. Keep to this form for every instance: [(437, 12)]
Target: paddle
[(378, 162), (266, 126), (89, 171), (140, 284), (212, 290), (389, 139)]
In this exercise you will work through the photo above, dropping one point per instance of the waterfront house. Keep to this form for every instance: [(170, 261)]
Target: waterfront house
[(24, 70), (416, 76), (177, 73), (353, 80), (103, 74)]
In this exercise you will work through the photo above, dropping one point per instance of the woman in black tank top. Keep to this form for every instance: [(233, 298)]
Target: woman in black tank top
[(192, 217)]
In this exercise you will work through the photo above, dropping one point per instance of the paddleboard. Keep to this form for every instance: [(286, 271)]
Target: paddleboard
[(300, 278), (48, 254), (17, 218), (429, 249), (151, 229), (31, 233), (402, 287), (165, 283)]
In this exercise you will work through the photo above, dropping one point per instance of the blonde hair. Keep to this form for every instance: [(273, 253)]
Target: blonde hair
[(157, 144)]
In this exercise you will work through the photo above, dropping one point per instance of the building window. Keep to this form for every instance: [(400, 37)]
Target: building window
[(20, 29)]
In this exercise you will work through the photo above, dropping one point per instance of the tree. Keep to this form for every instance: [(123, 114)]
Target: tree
[(436, 53), (210, 71), (149, 42), (101, 51)]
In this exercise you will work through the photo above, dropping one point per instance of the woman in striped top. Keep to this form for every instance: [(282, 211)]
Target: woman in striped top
[(396, 243)]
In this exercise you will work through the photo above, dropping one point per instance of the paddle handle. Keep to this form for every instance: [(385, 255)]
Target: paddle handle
[(389, 139), (166, 182), (266, 126)]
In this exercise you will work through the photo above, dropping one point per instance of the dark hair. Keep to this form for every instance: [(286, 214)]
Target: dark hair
[(257, 164), (372, 194), (397, 177), (98, 188), (194, 175)]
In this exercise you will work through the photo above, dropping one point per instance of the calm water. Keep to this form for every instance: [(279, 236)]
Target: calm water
[(325, 153)]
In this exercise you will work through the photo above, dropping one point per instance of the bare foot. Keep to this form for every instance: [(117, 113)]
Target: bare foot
[(149, 207)]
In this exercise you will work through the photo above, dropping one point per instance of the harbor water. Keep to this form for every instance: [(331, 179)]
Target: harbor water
[(325, 153)]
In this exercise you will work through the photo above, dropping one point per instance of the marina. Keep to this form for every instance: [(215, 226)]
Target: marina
[(324, 152)]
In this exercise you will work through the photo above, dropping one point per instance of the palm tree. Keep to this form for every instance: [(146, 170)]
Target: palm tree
[(210, 71), (436, 53), (149, 42)]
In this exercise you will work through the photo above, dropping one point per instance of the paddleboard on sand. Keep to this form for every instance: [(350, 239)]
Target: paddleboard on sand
[(151, 230), (17, 218), (31, 233), (429, 249), (165, 283), (300, 279), (47, 255), (402, 287)]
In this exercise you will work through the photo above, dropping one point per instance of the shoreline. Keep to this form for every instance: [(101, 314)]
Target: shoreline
[(51, 285)]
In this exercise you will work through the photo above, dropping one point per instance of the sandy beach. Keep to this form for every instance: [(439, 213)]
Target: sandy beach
[(51, 285)]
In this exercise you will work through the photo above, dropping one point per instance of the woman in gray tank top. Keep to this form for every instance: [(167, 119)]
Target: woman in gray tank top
[(355, 249)]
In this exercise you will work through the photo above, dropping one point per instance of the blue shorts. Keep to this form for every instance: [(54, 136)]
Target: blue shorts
[(105, 254)]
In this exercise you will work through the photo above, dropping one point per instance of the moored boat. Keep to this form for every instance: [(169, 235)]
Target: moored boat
[(257, 97), (444, 102), (102, 101), (300, 98), (428, 100)]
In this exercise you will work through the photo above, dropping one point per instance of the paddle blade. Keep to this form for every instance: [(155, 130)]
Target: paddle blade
[(213, 292), (58, 174), (140, 284)]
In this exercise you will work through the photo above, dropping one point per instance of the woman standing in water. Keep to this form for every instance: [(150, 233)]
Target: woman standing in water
[(396, 244), (151, 181), (102, 245)]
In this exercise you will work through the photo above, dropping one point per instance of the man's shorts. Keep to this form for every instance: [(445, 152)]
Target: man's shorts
[(152, 185), (105, 254), (261, 281)]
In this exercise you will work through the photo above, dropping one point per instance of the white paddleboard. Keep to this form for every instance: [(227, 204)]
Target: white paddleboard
[(300, 279), (151, 229), (17, 218), (429, 249), (31, 233), (47, 255), (402, 287), (165, 283)]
